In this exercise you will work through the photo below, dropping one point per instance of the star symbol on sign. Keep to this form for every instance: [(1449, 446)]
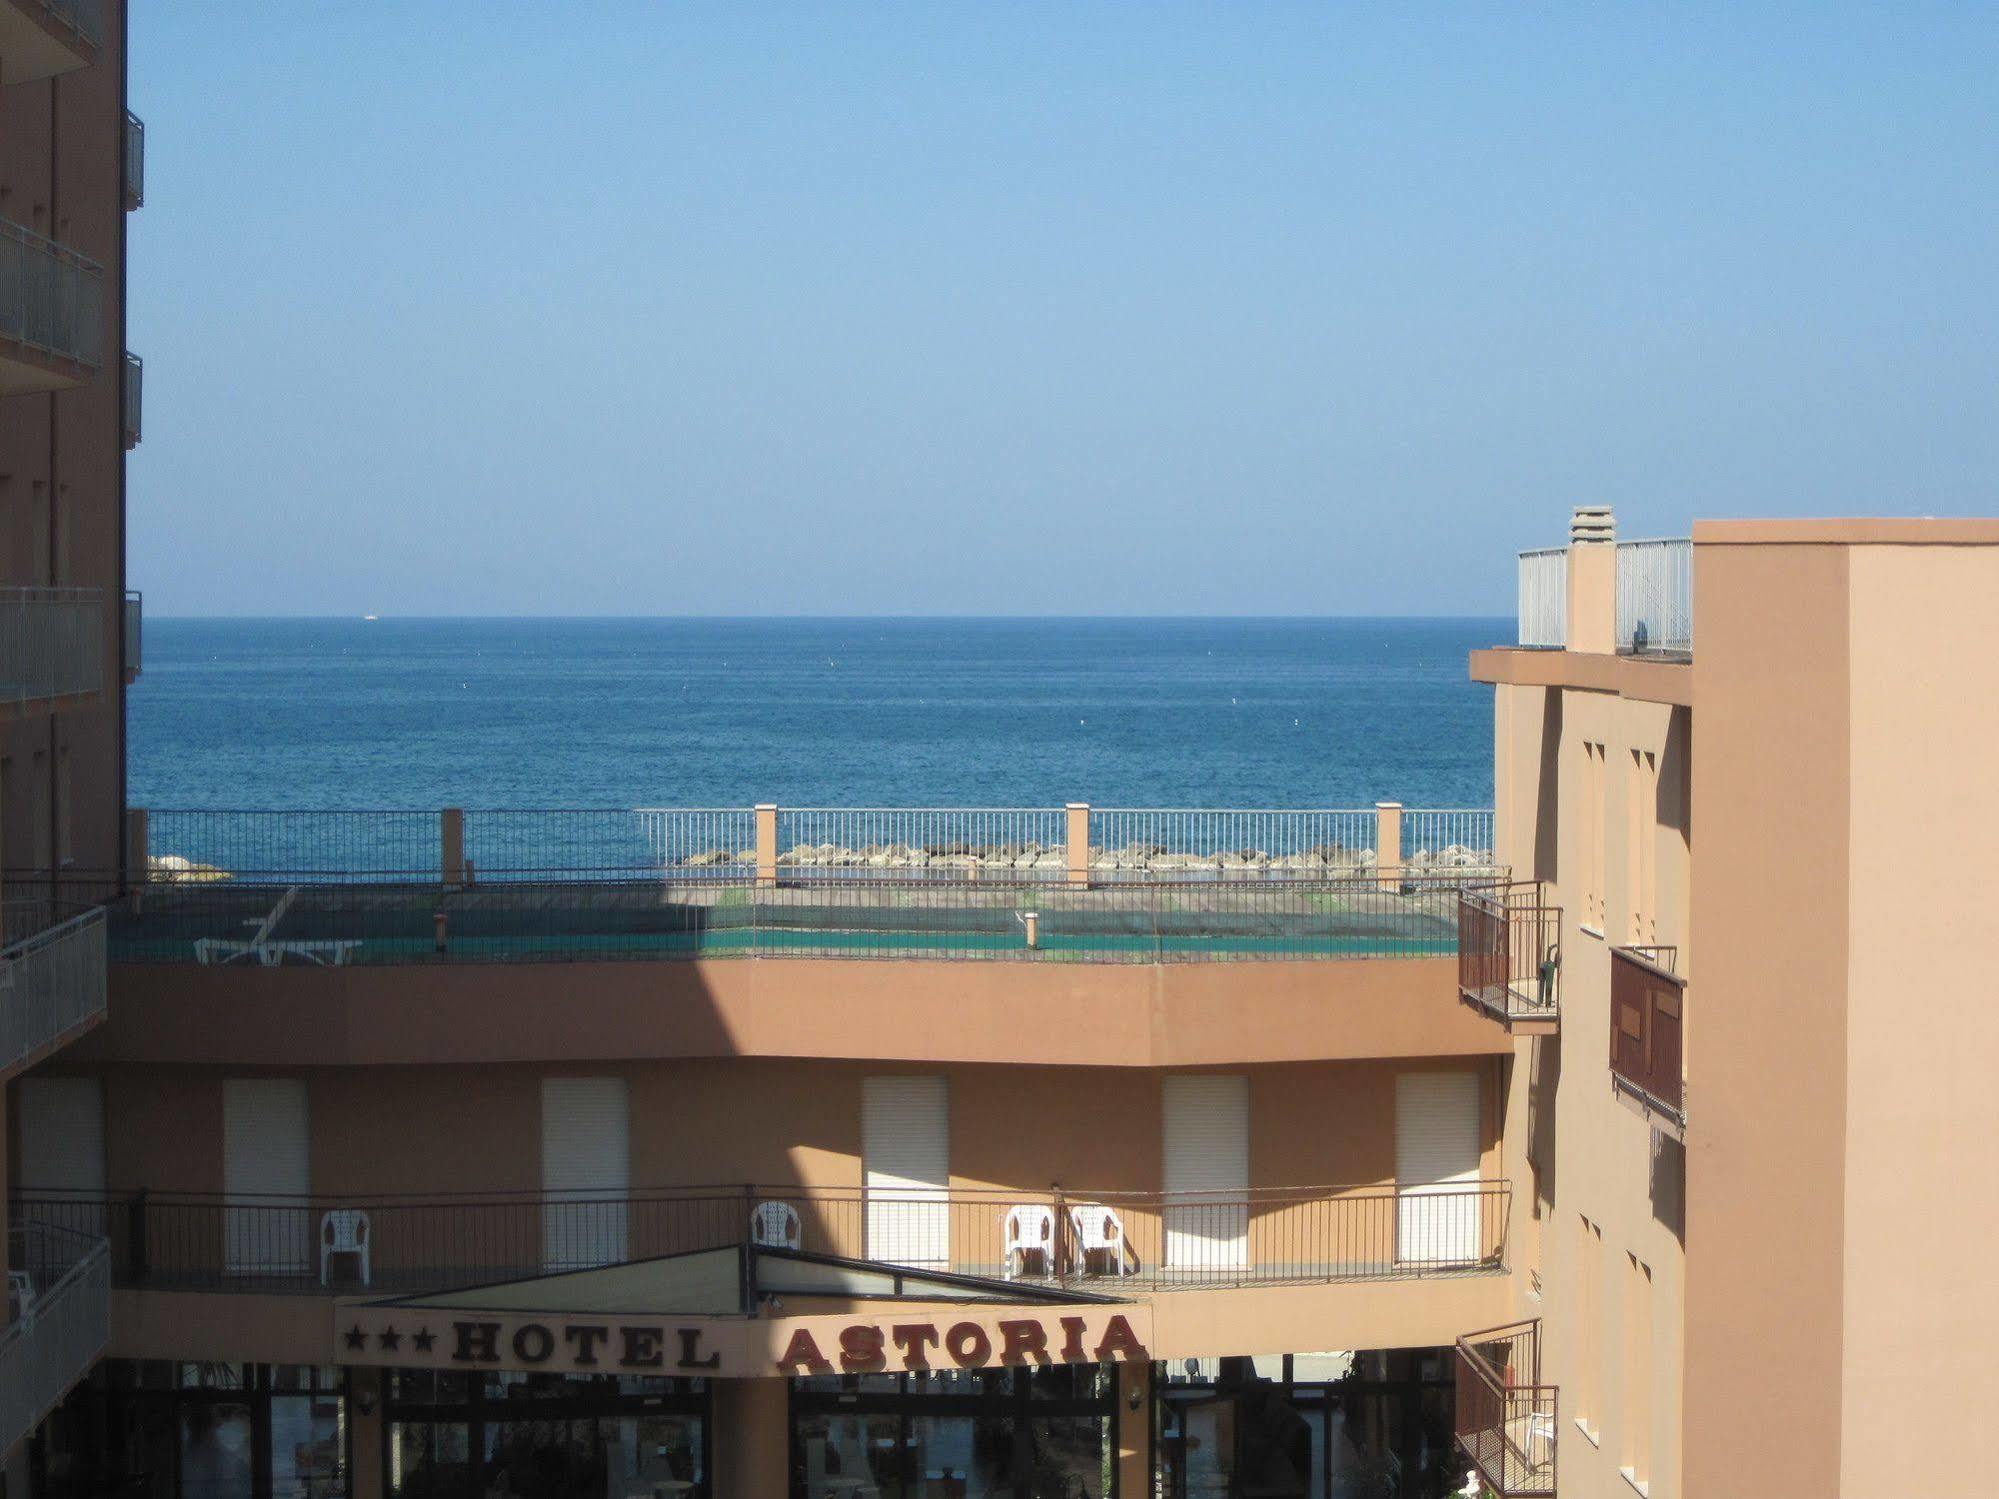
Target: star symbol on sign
[(423, 1337), (356, 1338), (389, 1338)]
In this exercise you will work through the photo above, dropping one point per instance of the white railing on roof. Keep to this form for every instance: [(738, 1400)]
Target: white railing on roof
[(851, 838), (1655, 596), (1544, 597)]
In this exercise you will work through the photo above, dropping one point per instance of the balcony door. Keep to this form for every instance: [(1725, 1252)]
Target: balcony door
[(62, 1152), (906, 1155), (585, 1171), (1437, 1168), (1207, 1173), (267, 1225)]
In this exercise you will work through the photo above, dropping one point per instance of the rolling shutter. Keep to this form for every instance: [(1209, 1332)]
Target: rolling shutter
[(1207, 1172), (62, 1152), (1437, 1167), (266, 1177), (585, 1171), (906, 1155)]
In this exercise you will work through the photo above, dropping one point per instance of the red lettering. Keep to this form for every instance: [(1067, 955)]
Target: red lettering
[(1021, 1341), (1072, 1341), (1119, 1341), (912, 1338), (861, 1350), (968, 1345), (802, 1356)]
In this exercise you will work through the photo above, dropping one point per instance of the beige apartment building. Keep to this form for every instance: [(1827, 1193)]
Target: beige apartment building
[(71, 166)]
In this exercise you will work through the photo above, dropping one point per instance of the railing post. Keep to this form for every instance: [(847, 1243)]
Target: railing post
[(1077, 836), (135, 1246), (1388, 843), (1058, 1252), (451, 846), (766, 843)]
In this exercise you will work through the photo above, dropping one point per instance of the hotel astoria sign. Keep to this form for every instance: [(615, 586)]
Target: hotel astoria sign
[(908, 1338)]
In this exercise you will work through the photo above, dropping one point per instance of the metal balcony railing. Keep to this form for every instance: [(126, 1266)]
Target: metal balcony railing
[(51, 643), (1137, 1239), (1647, 1005), (135, 633), (51, 298), (1506, 1418), (52, 979), (134, 399), (1509, 952), (83, 17), (135, 161), (1544, 598), (60, 1323), (1655, 596)]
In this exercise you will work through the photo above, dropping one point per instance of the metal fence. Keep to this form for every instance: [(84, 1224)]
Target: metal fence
[(135, 632), (1509, 951), (61, 1321), (1030, 840), (51, 643), (1152, 841), (133, 397), (1655, 596), (1544, 598), (1506, 1418), (52, 979), (373, 921), (1456, 838), (51, 298), (1157, 1239), (1023, 845), (135, 160)]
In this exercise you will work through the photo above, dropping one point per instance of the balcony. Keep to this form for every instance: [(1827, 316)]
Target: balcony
[(135, 161), (51, 312), (61, 1321), (52, 980), (1506, 1418), (134, 399), (1510, 956), (1129, 1241), (43, 38), (135, 634), (51, 646), (1647, 1005)]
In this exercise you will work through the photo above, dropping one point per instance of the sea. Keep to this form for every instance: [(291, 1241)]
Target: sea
[(491, 713)]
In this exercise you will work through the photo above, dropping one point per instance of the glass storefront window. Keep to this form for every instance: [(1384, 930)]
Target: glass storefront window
[(217, 1455)]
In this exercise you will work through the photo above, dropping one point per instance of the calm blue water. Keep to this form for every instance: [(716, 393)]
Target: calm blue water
[(681, 712)]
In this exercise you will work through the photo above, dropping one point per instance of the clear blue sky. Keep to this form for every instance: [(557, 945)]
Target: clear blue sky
[(663, 308)]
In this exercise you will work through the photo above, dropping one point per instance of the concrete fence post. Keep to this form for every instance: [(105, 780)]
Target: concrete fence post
[(1388, 842), (766, 843), (136, 849), (1076, 834), (451, 845)]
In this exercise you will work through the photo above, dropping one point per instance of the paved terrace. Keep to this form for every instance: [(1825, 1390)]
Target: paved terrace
[(1071, 884)]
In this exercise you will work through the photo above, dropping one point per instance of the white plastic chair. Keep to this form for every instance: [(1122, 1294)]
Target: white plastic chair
[(21, 1296), (344, 1231), (775, 1225), (1030, 1229), (1098, 1229)]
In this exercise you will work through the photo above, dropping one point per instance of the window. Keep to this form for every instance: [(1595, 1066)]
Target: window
[(1589, 1341), (1642, 849), (1593, 834), (1637, 1370)]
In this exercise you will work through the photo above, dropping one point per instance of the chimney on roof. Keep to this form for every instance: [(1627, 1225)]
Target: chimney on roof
[(1593, 580), (1592, 523)]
